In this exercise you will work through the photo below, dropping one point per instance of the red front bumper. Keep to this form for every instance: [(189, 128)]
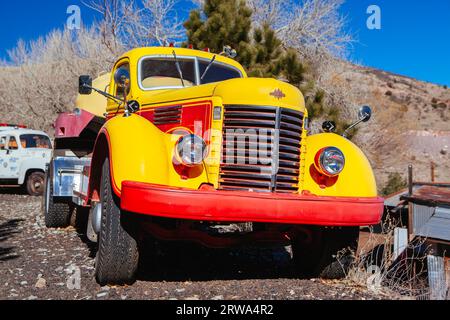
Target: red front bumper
[(236, 206)]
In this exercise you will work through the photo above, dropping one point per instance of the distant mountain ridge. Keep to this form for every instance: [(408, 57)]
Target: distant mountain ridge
[(411, 123)]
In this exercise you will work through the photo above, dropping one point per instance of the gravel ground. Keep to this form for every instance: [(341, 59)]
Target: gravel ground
[(41, 263)]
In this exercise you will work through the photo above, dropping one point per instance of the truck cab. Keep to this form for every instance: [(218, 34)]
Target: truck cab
[(24, 154), (178, 144)]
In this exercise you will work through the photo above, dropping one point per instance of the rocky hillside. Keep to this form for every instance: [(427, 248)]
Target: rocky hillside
[(411, 123)]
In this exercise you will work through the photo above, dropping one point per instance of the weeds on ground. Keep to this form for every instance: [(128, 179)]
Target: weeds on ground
[(378, 269)]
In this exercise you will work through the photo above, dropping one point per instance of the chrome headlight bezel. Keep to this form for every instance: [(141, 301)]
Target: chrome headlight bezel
[(331, 161), (191, 150)]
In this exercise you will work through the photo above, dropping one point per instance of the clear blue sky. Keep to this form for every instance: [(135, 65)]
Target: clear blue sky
[(414, 39)]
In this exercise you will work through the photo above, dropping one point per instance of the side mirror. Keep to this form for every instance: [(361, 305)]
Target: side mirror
[(365, 113), (329, 126), (122, 78), (85, 85)]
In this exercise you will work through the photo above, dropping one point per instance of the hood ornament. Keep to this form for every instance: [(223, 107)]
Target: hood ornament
[(278, 94)]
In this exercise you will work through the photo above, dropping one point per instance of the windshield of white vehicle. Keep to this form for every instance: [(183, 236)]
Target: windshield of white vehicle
[(163, 73), (217, 72), (30, 141)]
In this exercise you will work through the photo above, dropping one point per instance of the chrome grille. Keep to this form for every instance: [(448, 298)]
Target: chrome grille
[(247, 130)]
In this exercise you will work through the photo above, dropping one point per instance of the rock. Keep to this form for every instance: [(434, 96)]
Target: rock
[(24, 283), (217, 298), (102, 294), (180, 290), (41, 283)]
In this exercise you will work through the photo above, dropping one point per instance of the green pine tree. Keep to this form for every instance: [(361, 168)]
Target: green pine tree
[(228, 22), (261, 53)]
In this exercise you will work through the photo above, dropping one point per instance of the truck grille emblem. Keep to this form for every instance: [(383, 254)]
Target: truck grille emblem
[(278, 94)]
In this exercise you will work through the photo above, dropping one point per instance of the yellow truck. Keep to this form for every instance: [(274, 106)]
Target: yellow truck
[(180, 145)]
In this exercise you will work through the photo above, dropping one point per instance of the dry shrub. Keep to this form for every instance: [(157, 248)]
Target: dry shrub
[(41, 79), (375, 267)]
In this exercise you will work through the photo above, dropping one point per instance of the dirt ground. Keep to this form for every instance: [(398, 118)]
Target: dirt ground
[(41, 263)]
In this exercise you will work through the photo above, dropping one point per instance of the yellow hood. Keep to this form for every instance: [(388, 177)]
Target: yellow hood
[(253, 91)]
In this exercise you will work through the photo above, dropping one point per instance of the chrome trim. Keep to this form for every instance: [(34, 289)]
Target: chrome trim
[(65, 172)]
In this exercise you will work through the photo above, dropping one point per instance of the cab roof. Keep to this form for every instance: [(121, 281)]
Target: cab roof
[(137, 53), (16, 130)]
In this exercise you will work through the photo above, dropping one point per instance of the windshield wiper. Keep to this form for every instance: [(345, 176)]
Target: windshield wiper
[(207, 67), (177, 63)]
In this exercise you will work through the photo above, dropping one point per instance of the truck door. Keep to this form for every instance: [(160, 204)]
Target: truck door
[(9, 166)]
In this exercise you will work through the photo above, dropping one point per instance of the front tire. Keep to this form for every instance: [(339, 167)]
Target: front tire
[(327, 253), (57, 214), (117, 256)]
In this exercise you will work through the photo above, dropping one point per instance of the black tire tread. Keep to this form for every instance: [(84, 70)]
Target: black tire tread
[(58, 214), (117, 255)]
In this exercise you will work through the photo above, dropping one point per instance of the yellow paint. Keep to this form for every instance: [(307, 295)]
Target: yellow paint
[(95, 103), (141, 152), (356, 180)]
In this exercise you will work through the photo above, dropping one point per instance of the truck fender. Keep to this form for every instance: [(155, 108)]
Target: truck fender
[(137, 151), (356, 179), (30, 165)]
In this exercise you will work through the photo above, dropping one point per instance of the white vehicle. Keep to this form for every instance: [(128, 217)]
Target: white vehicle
[(24, 154)]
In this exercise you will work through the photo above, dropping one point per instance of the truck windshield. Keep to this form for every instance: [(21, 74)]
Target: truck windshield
[(163, 73), (30, 141), (217, 72)]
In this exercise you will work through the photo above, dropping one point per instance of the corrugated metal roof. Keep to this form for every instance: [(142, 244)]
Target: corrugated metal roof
[(429, 195), (437, 226)]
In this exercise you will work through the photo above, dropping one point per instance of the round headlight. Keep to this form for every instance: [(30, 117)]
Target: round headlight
[(191, 150), (330, 161)]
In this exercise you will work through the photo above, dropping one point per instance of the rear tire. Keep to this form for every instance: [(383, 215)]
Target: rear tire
[(57, 214), (35, 183), (328, 253), (118, 255)]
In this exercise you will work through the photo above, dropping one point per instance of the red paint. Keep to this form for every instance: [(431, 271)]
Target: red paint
[(187, 172), (13, 125), (70, 125), (198, 112), (322, 180), (236, 206)]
